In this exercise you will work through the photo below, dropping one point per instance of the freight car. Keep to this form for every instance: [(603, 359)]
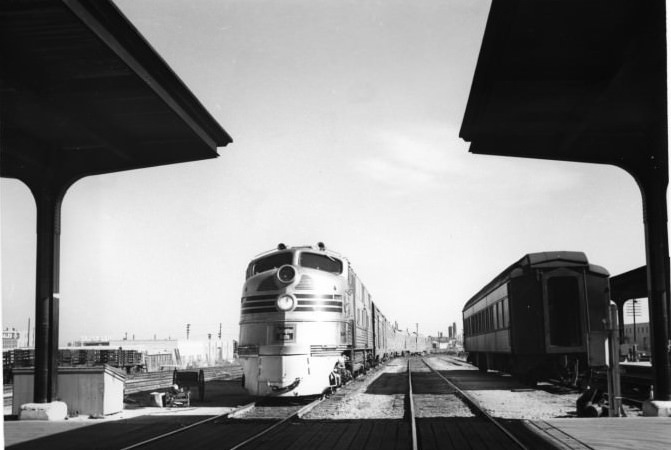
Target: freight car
[(307, 320), (542, 316)]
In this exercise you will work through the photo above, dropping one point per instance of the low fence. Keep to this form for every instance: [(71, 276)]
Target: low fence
[(152, 381)]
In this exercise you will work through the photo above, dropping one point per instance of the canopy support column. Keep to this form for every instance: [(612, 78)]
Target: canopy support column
[(657, 254), (48, 198)]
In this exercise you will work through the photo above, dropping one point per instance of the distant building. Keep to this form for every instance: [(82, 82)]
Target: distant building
[(161, 354), (452, 330), (446, 343), (10, 339), (640, 336)]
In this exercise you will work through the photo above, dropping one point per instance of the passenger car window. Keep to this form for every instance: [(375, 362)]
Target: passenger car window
[(320, 262)]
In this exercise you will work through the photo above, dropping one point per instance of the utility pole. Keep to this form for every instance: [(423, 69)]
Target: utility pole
[(209, 349), (634, 312), (416, 335)]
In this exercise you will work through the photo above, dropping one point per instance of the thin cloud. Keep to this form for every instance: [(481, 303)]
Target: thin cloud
[(431, 158), (408, 160)]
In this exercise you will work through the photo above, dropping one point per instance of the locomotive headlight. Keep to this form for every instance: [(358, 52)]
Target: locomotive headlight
[(285, 302), (286, 274)]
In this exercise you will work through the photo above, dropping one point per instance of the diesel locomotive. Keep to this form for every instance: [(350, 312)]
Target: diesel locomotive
[(307, 321), (543, 316)]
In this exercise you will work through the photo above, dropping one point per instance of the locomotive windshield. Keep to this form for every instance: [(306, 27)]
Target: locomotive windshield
[(271, 262), (320, 262)]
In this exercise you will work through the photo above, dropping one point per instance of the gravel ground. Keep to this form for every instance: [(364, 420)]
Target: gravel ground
[(441, 405), (359, 400), (525, 405), (516, 401), (533, 405), (500, 396), (353, 402)]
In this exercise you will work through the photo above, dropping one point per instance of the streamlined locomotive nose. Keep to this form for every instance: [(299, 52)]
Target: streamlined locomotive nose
[(282, 374)]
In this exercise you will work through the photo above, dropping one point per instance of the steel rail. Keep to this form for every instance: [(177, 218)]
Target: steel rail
[(413, 422), (298, 413), (473, 403), (188, 427)]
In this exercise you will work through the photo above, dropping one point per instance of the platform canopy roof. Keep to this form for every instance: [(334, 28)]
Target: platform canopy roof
[(629, 285), (83, 93), (573, 80)]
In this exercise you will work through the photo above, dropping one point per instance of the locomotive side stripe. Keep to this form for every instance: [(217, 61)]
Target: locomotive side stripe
[(298, 309), (258, 310), (251, 303), (317, 309), (315, 302), (260, 297), (258, 302), (274, 296), (259, 305)]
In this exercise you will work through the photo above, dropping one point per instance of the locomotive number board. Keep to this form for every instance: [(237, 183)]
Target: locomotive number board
[(285, 333)]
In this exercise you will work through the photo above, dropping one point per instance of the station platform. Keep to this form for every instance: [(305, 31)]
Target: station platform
[(32, 433), (604, 433), (221, 396), (640, 433)]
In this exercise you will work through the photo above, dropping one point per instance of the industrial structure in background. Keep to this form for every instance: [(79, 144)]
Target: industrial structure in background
[(131, 356), (450, 343), (10, 338), (635, 342)]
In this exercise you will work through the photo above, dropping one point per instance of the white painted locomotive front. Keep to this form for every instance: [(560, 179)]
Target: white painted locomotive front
[(282, 375), (292, 352), (297, 369)]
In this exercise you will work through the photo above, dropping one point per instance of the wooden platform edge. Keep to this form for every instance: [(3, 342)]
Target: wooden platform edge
[(554, 436)]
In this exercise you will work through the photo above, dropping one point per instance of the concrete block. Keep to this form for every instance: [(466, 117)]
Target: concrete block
[(43, 411), (657, 408)]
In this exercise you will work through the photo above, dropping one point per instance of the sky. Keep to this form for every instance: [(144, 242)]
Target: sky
[(345, 118)]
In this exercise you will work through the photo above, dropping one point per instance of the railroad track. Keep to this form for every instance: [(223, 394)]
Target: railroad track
[(432, 383), (263, 423), (245, 426), (289, 414), (391, 409), (161, 437), (271, 417)]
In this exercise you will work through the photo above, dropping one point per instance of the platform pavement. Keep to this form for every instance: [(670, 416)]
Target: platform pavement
[(603, 433), (640, 433), (221, 396), (17, 431)]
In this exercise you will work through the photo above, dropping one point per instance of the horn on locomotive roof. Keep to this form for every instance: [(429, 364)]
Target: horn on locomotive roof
[(281, 246), (321, 246)]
